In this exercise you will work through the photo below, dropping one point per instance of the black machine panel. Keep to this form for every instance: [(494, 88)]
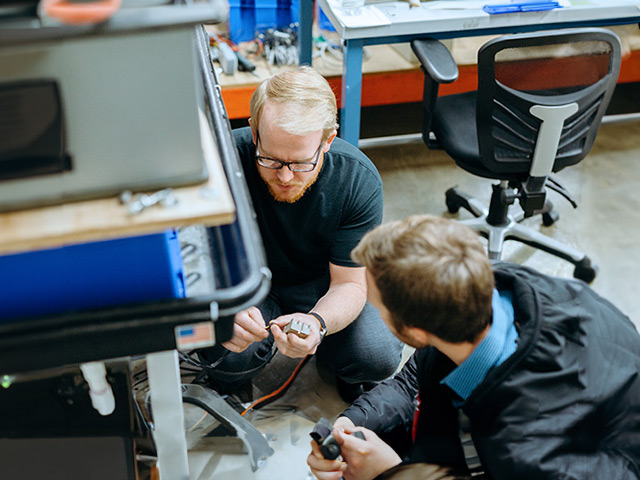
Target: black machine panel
[(31, 130)]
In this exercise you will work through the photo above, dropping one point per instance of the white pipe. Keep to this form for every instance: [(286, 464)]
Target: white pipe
[(100, 391)]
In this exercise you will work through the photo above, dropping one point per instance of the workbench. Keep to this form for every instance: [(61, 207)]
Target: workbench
[(397, 22), (38, 346)]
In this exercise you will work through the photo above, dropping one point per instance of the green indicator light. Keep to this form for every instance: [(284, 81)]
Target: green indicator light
[(6, 381)]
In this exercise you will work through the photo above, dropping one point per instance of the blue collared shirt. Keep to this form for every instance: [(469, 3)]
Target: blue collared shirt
[(495, 348)]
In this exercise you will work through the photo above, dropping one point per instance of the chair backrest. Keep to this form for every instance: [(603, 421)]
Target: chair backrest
[(542, 96)]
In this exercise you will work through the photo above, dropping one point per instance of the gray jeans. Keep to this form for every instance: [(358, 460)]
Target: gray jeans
[(364, 351)]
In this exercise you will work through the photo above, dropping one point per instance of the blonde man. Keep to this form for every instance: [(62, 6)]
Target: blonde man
[(544, 370), (315, 196)]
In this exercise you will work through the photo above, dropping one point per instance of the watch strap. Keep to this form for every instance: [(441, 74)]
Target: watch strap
[(323, 325)]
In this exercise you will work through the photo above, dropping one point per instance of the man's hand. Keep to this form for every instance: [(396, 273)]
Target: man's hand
[(343, 423), (248, 327), (292, 345), (322, 468), (365, 459)]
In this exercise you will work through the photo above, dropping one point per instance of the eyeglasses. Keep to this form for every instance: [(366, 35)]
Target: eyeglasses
[(297, 166)]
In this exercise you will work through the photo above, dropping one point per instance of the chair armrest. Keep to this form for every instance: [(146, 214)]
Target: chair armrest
[(435, 59)]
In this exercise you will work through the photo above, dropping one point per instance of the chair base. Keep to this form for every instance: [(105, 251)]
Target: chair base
[(497, 226)]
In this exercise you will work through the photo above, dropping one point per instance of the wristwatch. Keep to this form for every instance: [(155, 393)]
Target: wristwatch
[(323, 325)]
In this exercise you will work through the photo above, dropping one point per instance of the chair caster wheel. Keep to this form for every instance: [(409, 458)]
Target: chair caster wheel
[(549, 218), (585, 271), (452, 201)]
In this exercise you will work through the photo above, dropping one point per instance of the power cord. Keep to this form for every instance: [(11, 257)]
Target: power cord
[(279, 391), (264, 400), (557, 187)]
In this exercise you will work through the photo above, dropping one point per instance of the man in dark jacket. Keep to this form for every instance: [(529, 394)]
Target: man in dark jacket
[(545, 370)]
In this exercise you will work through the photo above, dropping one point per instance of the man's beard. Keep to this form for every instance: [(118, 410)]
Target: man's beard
[(279, 198)]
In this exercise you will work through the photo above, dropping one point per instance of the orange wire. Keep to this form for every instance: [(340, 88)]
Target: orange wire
[(279, 390), (260, 47)]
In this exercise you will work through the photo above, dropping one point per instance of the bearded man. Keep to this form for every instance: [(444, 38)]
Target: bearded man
[(315, 196)]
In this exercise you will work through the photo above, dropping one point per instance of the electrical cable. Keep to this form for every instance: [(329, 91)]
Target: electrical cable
[(259, 49), (195, 425), (190, 360), (189, 370), (557, 187), (331, 53), (195, 363), (273, 395), (280, 45), (269, 397)]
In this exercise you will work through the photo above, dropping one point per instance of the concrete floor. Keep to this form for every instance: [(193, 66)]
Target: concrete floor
[(606, 226)]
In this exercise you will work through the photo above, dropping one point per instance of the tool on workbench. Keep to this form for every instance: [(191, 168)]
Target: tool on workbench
[(244, 65), (280, 46), (230, 49)]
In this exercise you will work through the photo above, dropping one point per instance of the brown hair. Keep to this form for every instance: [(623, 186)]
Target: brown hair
[(432, 273), (311, 104)]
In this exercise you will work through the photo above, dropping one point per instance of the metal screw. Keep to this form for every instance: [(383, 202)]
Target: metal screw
[(141, 201)]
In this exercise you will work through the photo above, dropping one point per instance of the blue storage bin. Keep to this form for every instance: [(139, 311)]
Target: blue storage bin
[(259, 4), (323, 21), (91, 275), (246, 17)]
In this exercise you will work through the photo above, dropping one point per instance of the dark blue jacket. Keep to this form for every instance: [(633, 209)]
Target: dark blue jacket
[(565, 405)]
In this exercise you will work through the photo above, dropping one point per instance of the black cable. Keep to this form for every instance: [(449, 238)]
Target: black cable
[(556, 187)]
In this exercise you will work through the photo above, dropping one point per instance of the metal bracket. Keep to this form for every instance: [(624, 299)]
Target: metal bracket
[(210, 401)]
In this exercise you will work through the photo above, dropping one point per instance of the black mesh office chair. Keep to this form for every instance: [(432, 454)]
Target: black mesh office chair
[(540, 99)]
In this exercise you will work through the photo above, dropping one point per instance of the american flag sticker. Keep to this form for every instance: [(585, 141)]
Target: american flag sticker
[(196, 335)]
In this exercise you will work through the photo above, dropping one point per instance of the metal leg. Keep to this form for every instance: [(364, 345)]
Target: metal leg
[(168, 415), (494, 235), (305, 34), (212, 402), (542, 242), (515, 231), (351, 91), (457, 199)]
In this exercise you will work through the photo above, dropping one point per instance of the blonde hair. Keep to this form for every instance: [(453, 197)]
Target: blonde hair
[(432, 273), (310, 102)]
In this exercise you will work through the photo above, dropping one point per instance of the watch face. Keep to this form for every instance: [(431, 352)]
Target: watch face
[(323, 333)]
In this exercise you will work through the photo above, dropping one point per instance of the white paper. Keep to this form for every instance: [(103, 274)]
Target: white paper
[(360, 17)]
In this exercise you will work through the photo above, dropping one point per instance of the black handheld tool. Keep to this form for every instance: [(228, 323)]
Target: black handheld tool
[(244, 65), (323, 436)]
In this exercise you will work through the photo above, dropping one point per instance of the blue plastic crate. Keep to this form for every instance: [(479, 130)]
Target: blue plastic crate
[(248, 17), (258, 4), (91, 275), (323, 21)]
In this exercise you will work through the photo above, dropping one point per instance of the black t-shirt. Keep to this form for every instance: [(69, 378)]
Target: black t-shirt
[(324, 225)]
